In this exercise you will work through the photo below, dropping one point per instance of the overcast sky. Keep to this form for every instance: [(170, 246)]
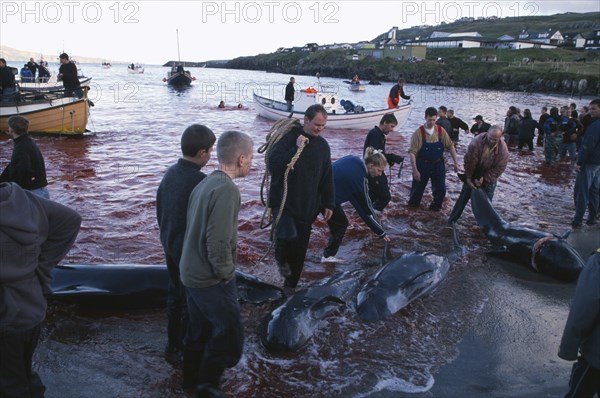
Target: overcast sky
[(145, 31)]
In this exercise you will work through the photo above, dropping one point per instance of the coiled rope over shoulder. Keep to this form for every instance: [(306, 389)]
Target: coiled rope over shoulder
[(279, 129)]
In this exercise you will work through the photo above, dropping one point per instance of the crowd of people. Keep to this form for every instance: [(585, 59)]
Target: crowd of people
[(68, 74), (198, 216)]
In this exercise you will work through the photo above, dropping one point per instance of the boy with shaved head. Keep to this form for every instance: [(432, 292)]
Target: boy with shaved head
[(215, 337)]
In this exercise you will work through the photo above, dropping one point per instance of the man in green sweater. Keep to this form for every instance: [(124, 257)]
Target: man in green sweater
[(215, 334)]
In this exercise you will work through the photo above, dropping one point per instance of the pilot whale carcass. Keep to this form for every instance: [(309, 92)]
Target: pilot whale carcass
[(399, 282), (137, 285), (543, 252), (293, 323)]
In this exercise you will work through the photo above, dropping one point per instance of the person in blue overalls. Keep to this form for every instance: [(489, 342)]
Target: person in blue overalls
[(426, 151)]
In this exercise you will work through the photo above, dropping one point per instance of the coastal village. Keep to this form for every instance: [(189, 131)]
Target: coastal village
[(392, 45), (281, 245)]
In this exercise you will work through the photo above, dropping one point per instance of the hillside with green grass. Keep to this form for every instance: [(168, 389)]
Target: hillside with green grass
[(582, 23), (564, 69)]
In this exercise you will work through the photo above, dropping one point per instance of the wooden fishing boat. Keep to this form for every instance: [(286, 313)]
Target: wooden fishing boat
[(51, 84), (135, 69), (341, 114), (357, 87), (48, 113), (178, 76)]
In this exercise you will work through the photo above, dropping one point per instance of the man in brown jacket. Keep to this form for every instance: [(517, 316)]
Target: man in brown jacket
[(485, 161)]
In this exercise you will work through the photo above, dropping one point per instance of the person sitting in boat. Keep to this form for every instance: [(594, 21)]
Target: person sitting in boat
[(180, 68), (396, 93), (26, 75), (348, 105), (221, 104), (7, 81), (240, 106), (355, 80), (43, 73), (132, 66)]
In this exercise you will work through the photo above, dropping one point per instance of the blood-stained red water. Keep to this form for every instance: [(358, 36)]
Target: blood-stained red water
[(110, 177)]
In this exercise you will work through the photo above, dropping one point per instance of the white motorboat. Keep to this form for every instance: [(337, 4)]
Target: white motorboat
[(341, 114)]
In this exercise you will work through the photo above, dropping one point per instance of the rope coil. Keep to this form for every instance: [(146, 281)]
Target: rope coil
[(277, 132)]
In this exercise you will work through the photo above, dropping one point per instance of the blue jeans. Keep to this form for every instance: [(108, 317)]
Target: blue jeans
[(7, 94), (584, 381), (571, 147), (43, 192), (215, 327), (587, 186)]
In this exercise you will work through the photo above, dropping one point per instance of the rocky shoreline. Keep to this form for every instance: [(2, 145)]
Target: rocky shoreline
[(542, 77)]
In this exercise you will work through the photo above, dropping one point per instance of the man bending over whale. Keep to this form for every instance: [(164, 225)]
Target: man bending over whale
[(485, 161), (351, 185)]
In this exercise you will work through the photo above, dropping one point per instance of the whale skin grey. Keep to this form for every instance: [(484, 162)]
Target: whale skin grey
[(540, 251), (137, 285), (398, 283), (289, 326)]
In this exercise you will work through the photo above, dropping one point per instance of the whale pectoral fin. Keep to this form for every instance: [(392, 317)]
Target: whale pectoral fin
[(76, 290), (325, 306), (565, 235)]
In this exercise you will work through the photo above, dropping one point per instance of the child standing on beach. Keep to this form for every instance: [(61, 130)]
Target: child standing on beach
[(215, 335)]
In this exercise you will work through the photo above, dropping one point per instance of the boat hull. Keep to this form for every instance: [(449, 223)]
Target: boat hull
[(357, 87), (136, 71), (276, 110), (67, 115), (179, 79)]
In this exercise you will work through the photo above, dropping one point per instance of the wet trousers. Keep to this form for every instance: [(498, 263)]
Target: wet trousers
[(465, 196), (17, 379), (526, 141), (291, 244), (177, 313), (570, 147), (215, 337), (551, 143), (584, 381), (379, 191), (436, 172), (338, 223), (587, 185)]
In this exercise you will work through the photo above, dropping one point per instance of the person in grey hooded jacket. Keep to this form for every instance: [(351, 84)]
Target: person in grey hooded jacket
[(35, 234), (582, 333)]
